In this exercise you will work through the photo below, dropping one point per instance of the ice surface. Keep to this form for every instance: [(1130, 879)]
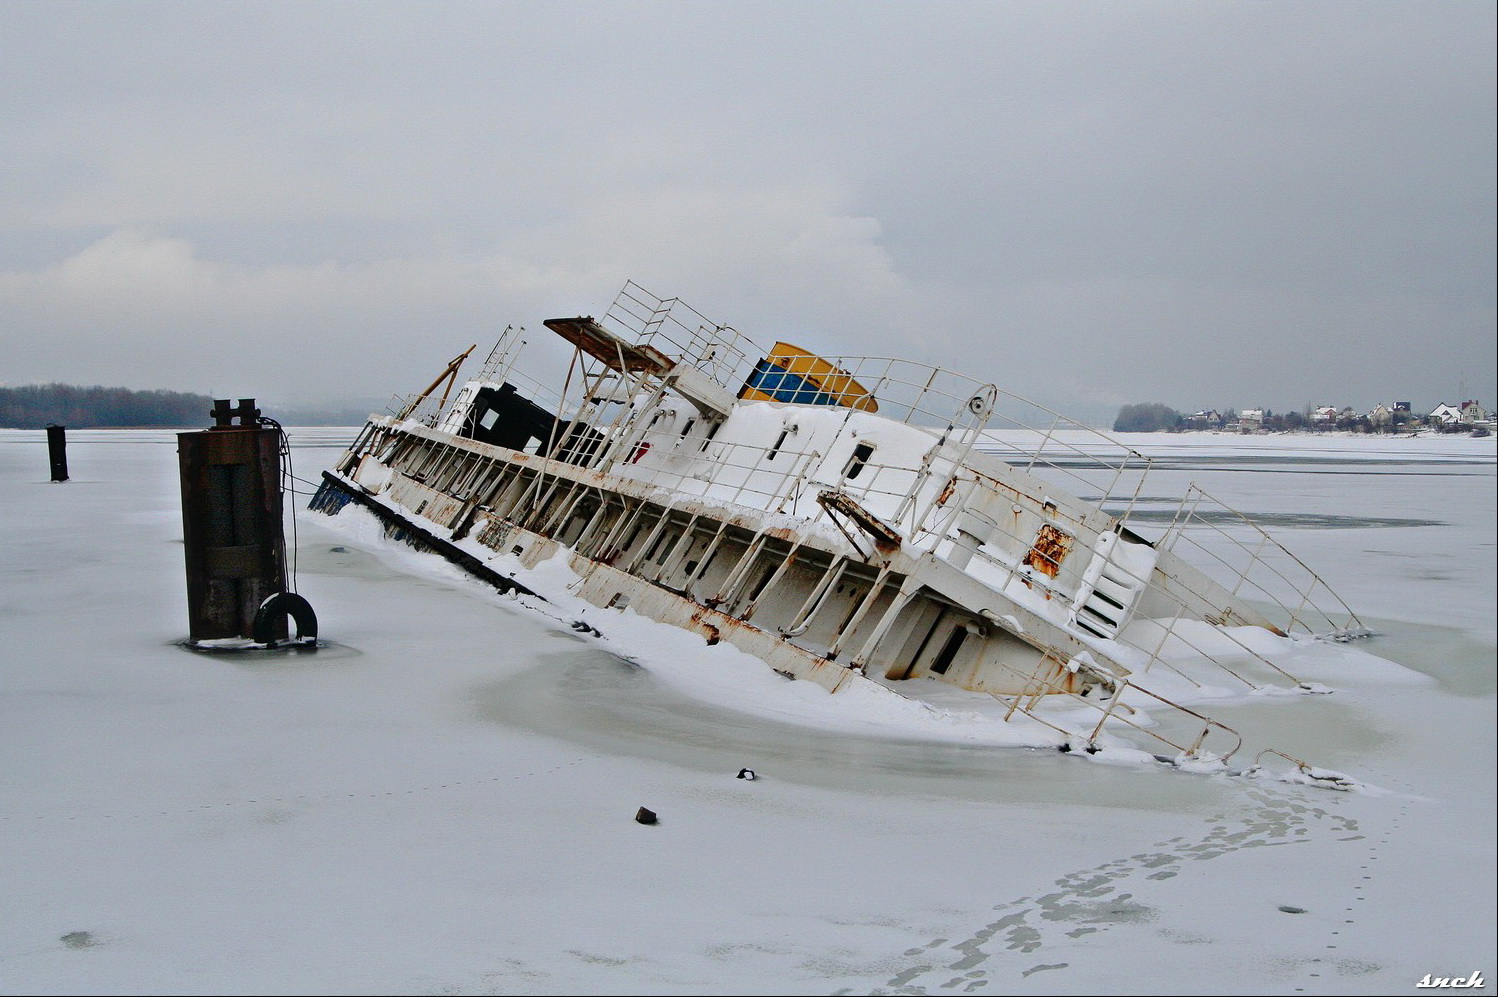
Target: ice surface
[(443, 799)]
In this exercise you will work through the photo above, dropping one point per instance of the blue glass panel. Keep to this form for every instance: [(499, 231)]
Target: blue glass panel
[(784, 386)]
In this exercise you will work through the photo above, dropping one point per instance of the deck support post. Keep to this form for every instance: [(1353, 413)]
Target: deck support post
[(801, 622), (858, 614), (903, 595)]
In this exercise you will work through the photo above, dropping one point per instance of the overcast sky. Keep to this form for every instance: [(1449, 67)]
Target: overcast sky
[(1204, 204)]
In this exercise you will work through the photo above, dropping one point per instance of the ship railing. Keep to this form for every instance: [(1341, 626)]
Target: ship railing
[(1085, 461), (1115, 712), (425, 410), (679, 331), (761, 477), (1112, 710), (1169, 634), (1009, 426), (745, 474), (777, 480), (906, 391), (543, 395), (1256, 567), (1237, 552), (1250, 563), (993, 421), (499, 364), (787, 480)]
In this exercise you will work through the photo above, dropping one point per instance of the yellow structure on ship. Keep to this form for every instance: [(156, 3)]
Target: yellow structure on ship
[(791, 374)]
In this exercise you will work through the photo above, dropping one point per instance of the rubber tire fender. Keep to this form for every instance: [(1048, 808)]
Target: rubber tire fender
[(280, 606)]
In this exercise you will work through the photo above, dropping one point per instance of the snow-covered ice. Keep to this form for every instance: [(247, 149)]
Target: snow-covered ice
[(442, 799)]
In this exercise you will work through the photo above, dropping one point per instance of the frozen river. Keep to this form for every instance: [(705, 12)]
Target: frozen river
[(442, 800)]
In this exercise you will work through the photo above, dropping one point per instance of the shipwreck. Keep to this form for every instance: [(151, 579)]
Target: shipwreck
[(846, 520)]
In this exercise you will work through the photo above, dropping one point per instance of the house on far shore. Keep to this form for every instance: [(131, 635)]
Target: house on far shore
[(1206, 419), (1324, 417), (1391, 418), (1444, 415), (1250, 420), (1468, 413)]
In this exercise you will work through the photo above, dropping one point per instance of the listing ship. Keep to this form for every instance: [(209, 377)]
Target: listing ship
[(846, 520)]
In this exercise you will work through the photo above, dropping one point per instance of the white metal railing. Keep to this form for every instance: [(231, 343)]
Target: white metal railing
[(1014, 429), (501, 360), (1257, 567), (681, 332), (426, 411)]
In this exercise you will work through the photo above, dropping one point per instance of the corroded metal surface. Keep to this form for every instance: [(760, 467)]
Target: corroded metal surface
[(1049, 550), (231, 523), (599, 343), (885, 537)]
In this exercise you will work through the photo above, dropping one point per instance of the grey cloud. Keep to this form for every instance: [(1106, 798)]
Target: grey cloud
[(1208, 205)]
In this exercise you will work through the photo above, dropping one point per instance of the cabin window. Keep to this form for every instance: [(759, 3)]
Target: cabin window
[(688, 427), (667, 548), (489, 418), (706, 564), (763, 581), (635, 535), (776, 448), (859, 460), (660, 540), (712, 430), (948, 653), (691, 560), (854, 595)]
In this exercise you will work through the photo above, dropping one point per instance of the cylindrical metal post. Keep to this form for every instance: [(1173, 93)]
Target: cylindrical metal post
[(231, 523), (57, 451)]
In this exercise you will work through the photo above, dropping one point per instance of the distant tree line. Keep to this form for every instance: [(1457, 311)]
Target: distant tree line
[(1148, 417), (36, 406)]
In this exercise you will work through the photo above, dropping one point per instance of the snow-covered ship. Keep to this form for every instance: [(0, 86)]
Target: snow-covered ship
[(845, 520)]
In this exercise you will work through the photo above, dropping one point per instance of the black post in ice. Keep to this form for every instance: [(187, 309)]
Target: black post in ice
[(57, 451)]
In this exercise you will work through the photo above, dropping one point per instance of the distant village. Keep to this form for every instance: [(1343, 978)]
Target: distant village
[(1468, 417)]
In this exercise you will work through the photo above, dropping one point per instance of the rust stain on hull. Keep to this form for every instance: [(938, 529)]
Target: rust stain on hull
[(1050, 549)]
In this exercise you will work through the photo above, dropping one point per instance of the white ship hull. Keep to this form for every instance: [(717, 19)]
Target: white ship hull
[(842, 521)]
